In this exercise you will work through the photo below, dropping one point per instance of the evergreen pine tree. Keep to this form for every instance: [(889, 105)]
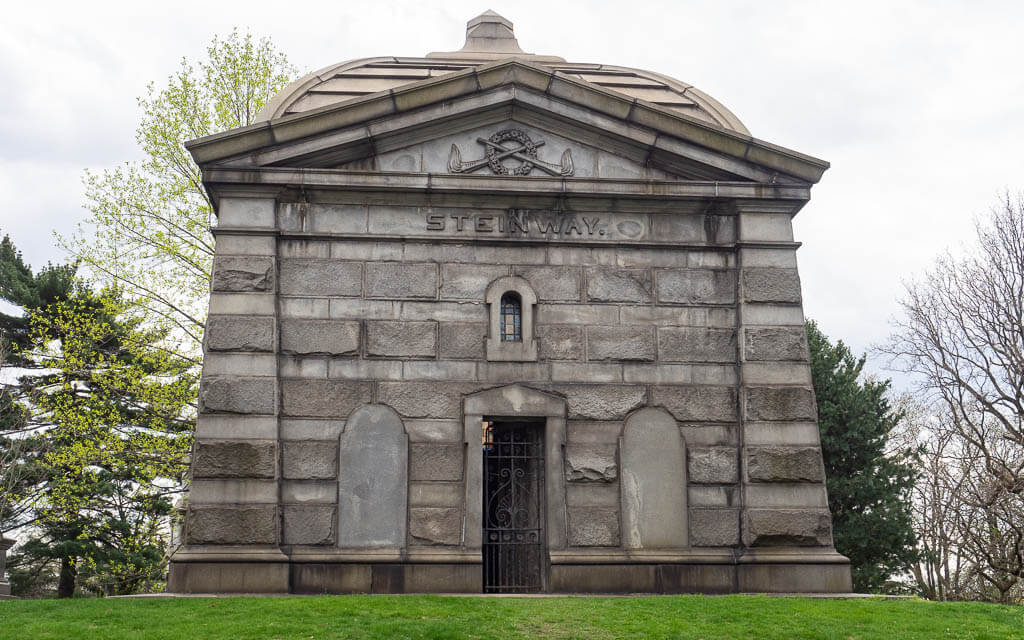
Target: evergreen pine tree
[(868, 486)]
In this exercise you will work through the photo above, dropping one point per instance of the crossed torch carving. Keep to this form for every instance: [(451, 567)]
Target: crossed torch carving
[(524, 150)]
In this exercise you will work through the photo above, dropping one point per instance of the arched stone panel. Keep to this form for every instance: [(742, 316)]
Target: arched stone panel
[(373, 479), (653, 481)]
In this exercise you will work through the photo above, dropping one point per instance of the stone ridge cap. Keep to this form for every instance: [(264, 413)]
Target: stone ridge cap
[(244, 140)]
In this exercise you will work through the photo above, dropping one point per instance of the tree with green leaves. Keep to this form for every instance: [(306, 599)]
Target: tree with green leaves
[(95, 436), (148, 232), (869, 483)]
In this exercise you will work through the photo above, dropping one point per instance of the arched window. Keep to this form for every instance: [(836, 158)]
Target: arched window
[(511, 305), (511, 317)]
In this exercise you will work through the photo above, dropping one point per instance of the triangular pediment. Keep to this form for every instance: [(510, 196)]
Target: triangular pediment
[(507, 118)]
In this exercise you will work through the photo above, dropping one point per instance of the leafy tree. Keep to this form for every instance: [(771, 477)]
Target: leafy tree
[(869, 486), (148, 232)]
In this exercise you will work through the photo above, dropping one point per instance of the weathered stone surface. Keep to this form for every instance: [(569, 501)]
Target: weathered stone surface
[(432, 461), (435, 525), (321, 278), (713, 466), (308, 524), (653, 483), (234, 459), (602, 401), (436, 494), (696, 286), (698, 404), (769, 403), (553, 283), (593, 527), (330, 337), (787, 528), (784, 343), (237, 395), (323, 398), (560, 342), (255, 524), (401, 339), (468, 281), (771, 285), (714, 527), (374, 479), (425, 399), (784, 464), (591, 463), (243, 273), (401, 280), (462, 339), (692, 344), (240, 333), (607, 284), (309, 460), (620, 343)]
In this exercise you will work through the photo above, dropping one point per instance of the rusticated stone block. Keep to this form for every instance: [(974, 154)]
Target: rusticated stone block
[(771, 285), (692, 344), (462, 340), (713, 466), (468, 281), (237, 395), (602, 401), (425, 399), (243, 273), (308, 524), (234, 459), (321, 278), (593, 527), (785, 464), (787, 528), (323, 398), (789, 403), (309, 460), (714, 527), (696, 286), (553, 283), (560, 342), (430, 461), (255, 524), (620, 343), (401, 339), (435, 525), (328, 337), (401, 280), (591, 463), (697, 404), (240, 333), (608, 284), (783, 343)]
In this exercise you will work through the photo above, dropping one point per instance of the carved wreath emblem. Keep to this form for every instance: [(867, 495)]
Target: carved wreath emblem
[(514, 144)]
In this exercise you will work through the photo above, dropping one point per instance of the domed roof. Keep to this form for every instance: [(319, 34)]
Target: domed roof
[(489, 37)]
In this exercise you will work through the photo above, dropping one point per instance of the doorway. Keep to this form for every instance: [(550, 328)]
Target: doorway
[(513, 507)]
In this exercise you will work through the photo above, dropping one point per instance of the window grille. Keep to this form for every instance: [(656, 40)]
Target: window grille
[(511, 318)]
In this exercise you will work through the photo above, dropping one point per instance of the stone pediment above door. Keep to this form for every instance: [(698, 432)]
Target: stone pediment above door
[(507, 116), (511, 148)]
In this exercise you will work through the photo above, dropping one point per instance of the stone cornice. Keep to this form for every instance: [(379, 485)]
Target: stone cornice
[(416, 95)]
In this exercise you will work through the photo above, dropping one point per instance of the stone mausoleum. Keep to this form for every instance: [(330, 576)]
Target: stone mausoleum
[(489, 321)]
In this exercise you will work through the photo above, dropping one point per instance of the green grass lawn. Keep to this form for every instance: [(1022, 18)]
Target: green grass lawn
[(438, 617)]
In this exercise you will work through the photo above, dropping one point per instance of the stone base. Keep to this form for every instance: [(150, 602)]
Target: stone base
[(775, 571)]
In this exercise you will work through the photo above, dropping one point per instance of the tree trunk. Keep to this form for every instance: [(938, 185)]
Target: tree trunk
[(68, 575)]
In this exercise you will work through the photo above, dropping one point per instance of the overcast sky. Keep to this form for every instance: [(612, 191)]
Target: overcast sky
[(919, 106)]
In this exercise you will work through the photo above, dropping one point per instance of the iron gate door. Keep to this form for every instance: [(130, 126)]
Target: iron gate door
[(513, 534)]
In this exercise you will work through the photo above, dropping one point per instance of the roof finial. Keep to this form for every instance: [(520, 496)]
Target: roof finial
[(490, 33)]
